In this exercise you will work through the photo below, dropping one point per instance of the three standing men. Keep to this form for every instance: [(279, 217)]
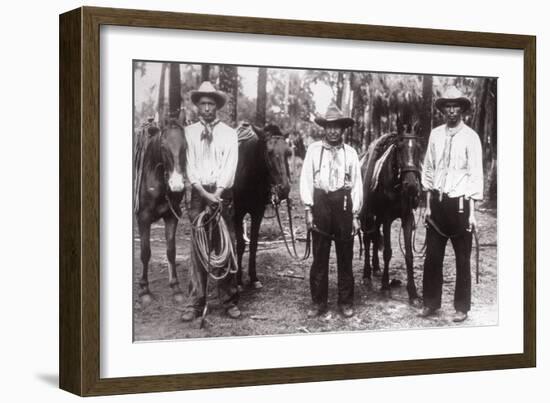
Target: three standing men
[(453, 179), (332, 192), (212, 156)]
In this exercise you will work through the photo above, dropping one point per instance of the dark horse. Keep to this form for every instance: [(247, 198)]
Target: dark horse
[(262, 176), (159, 191), (392, 186)]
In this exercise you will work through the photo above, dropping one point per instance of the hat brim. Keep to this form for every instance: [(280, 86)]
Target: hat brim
[(465, 103), (219, 97), (342, 122)]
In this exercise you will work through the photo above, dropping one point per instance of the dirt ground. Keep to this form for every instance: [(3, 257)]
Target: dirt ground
[(280, 306)]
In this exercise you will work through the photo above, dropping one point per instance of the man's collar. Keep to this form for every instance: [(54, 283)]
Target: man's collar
[(211, 124), (454, 130), (332, 147)]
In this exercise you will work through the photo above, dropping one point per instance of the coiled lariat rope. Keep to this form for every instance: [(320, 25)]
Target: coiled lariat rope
[(213, 259)]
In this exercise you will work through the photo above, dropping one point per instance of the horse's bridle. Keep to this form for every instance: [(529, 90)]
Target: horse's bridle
[(412, 167), (165, 175), (274, 188)]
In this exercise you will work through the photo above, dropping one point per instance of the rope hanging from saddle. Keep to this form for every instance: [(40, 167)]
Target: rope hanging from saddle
[(214, 260)]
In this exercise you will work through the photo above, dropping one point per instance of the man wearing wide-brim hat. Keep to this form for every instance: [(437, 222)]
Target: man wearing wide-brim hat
[(453, 178), (332, 192), (212, 153)]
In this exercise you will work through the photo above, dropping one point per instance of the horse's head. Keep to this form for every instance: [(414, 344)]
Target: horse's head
[(409, 161), (277, 153), (173, 153)]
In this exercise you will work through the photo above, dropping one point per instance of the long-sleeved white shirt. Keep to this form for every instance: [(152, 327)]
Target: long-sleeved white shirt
[(330, 176), (212, 163), (465, 173)]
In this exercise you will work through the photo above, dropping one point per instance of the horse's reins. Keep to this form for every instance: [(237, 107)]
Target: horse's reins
[(293, 253), (419, 252)]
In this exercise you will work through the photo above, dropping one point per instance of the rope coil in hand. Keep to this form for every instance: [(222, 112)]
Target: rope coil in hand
[(223, 259)]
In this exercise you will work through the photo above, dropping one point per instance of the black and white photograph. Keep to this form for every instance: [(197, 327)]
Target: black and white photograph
[(274, 201)]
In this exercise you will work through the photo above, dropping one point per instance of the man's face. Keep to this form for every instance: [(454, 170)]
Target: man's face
[(334, 133), (453, 113), (207, 108)]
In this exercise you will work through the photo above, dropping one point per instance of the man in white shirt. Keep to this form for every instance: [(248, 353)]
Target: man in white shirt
[(212, 153), (332, 192), (453, 178)]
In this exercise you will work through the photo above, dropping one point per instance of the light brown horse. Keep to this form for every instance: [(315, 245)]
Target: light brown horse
[(160, 192)]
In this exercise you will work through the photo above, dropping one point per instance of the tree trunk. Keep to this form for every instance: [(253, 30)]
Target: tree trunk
[(485, 124), (174, 91), (340, 89), (205, 72), (261, 101), (491, 138), (161, 94), (358, 110), (292, 99), (369, 124), (426, 109), (229, 83)]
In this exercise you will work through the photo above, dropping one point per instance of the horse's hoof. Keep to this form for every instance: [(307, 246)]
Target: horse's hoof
[(386, 292), (415, 302), (146, 299), (256, 284), (178, 297), (395, 283), (367, 282)]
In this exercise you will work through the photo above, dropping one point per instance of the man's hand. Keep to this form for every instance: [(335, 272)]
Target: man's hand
[(356, 226), (211, 198), (472, 223), (427, 215), (309, 220), (218, 193)]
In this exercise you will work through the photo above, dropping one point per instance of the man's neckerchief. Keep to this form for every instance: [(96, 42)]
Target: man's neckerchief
[(333, 148), (208, 129)]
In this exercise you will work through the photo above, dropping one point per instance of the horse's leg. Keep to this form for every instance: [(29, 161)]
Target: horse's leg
[(407, 224), (375, 237), (387, 255), (170, 226), (367, 270), (239, 235), (256, 220), (144, 225)]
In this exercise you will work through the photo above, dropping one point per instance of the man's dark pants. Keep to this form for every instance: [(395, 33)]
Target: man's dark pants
[(330, 217), (227, 287), (451, 224)]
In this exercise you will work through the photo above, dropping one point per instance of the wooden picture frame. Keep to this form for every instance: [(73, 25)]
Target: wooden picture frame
[(79, 346)]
